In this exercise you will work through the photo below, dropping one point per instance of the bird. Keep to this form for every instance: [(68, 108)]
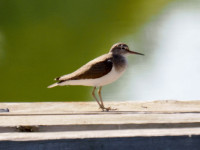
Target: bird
[(99, 72)]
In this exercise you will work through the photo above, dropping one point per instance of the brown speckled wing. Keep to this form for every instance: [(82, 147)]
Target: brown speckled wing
[(91, 70)]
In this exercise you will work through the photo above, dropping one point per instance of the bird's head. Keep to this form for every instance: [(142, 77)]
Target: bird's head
[(122, 49)]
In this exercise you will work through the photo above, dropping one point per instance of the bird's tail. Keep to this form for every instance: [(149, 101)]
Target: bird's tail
[(53, 85)]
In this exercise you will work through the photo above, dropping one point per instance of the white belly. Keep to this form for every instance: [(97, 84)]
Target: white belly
[(107, 79)]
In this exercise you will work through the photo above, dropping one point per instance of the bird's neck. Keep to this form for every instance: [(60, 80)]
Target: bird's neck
[(119, 62)]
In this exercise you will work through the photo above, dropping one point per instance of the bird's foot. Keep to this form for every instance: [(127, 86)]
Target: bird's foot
[(107, 108)]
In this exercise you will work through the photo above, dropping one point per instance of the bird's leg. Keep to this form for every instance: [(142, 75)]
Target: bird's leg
[(103, 107), (99, 92), (93, 94)]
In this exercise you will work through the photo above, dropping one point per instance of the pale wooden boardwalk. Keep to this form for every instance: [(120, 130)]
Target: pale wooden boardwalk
[(133, 124)]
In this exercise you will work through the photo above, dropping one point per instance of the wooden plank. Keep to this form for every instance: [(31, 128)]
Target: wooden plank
[(91, 107), (99, 134), (81, 125), (79, 116), (98, 119)]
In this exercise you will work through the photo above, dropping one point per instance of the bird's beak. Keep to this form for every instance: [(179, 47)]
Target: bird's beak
[(132, 52)]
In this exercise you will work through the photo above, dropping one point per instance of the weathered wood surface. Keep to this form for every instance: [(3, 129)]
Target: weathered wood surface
[(87, 113), (165, 106), (33, 136), (74, 121)]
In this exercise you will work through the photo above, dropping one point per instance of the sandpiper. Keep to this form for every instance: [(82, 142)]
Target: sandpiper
[(99, 72)]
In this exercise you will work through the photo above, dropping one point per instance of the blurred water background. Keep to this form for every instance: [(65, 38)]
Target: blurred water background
[(40, 40)]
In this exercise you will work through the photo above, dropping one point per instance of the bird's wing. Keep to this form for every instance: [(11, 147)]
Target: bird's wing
[(94, 69)]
